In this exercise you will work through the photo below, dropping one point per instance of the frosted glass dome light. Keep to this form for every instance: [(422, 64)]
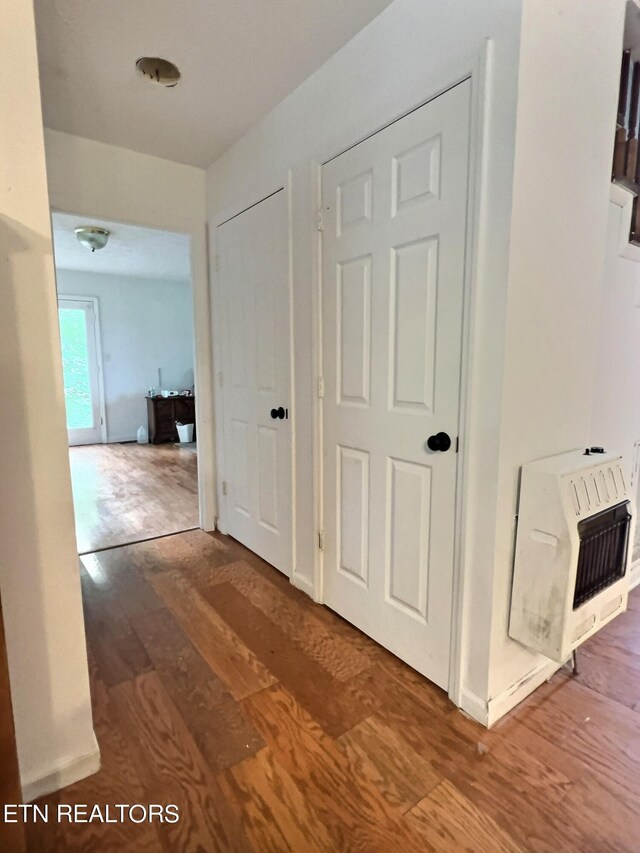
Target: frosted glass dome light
[(91, 237)]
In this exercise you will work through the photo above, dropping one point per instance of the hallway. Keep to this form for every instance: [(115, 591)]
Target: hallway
[(125, 493), (274, 725)]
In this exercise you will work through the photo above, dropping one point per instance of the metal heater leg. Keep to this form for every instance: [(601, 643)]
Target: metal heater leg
[(574, 662)]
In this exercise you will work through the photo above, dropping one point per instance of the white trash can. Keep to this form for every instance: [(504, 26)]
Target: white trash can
[(185, 433)]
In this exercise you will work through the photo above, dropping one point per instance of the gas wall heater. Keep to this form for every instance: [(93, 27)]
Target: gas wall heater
[(572, 550)]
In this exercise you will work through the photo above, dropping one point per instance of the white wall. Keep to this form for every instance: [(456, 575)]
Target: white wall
[(39, 576), (412, 51), (538, 249), (144, 325), (97, 180), (124, 186), (616, 404), (568, 82)]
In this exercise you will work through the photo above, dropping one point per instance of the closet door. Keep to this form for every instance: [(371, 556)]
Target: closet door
[(394, 233), (253, 269)]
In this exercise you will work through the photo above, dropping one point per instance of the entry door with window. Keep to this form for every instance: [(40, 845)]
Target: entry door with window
[(253, 273), (393, 282), (80, 369)]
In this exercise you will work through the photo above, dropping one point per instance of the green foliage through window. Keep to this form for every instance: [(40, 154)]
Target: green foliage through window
[(75, 368)]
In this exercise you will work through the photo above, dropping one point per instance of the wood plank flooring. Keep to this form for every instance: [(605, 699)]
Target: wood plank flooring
[(123, 493), (276, 726)]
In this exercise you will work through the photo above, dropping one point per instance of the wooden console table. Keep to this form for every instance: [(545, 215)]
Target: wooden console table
[(162, 414)]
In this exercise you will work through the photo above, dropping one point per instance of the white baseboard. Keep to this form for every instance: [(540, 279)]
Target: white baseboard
[(302, 583), (489, 712), (501, 704), (118, 439), (54, 780), (474, 706)]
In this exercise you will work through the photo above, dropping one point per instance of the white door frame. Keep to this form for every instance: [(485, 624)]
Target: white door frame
[(303, 184), (98, 341), (480, 76)]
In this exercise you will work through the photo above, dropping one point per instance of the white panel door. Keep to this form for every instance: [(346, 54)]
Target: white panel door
[(256, 372), (80, 370), (393, 279)]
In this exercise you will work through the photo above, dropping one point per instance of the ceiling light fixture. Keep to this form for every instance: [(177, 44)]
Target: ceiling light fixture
[(159, 71), (92, 237)]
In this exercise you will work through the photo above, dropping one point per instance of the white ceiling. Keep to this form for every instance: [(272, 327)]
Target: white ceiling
[(238, 59), (134, 251)]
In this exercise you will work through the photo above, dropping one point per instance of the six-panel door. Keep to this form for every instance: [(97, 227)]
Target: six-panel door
[(393, 277), (253, 252)]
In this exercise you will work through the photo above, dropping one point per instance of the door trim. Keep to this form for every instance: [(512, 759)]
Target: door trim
[(96, 314), (479, 74)]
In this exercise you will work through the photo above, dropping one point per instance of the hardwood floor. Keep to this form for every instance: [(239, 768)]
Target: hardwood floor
[(276, 726), (123, 493)]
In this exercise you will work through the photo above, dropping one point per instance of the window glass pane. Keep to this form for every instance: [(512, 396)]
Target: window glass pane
[(75, 368)]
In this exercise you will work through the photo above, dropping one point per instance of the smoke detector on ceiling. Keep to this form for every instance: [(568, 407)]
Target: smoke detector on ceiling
[(92, 237), (158, 71)]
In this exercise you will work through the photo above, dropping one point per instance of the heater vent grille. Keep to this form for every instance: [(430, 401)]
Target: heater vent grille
[(611, 607), (603, 551), (597, 488)]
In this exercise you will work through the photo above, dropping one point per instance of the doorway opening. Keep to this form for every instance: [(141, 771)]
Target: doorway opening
[(127, 338)]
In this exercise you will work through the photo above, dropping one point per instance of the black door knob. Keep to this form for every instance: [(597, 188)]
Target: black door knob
[(278, 413), (439, 442)]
